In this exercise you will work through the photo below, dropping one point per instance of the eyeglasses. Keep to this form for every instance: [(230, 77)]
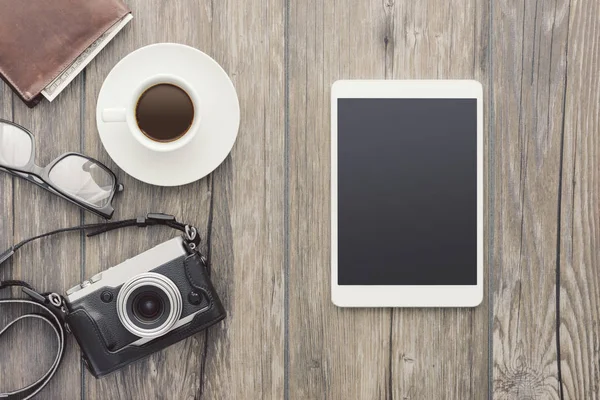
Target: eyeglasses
[(77, 178)]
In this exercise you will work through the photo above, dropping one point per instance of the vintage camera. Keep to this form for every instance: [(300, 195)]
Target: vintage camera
[(142, 305)]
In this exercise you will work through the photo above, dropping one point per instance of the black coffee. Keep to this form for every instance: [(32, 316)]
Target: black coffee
[(164, 112)]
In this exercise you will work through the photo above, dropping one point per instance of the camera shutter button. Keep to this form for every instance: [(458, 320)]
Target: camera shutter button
[(96, 278)]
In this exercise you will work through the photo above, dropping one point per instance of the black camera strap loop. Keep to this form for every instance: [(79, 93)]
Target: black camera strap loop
[(50, 314), (52, 305), (151, 219)]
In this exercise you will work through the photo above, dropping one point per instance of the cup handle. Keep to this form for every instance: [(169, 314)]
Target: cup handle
[(114, 115)]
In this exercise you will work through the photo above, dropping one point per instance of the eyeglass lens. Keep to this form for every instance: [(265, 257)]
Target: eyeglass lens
[(83, 179), (16, 146)]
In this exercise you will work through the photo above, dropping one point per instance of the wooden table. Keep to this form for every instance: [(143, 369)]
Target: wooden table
[(264, 214)]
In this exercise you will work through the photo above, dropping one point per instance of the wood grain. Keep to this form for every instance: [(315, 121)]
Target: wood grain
[(51, 264), (247, 243), (371, 353), (446, 346), (9, 380), (579, 268), (528, 106), (6, 198), (264, 213), (160, 376), (239, 211), (334, 353)]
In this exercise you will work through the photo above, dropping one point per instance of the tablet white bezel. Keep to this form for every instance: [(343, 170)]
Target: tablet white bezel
[(405, 295)]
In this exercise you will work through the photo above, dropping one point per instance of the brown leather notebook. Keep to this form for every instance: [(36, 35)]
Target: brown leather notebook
[(40, 39)]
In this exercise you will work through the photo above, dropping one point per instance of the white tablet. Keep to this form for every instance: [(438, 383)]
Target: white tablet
[(407, 193)]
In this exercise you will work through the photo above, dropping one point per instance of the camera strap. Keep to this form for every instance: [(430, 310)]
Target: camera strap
[(151, 219), (50, 307)]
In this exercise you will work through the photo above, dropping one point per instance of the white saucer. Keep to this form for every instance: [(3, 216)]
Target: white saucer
[(220, 115)]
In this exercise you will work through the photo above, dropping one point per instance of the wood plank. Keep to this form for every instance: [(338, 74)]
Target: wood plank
[(382, 355), (52, 264), (529, 75), (428, 40), (579, 269), (6, 194), (9, 380), (246, 355), (159, 376), (239, 210), (334, 353)]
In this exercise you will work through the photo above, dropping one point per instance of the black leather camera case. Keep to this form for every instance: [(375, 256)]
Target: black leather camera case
[(102, 347)]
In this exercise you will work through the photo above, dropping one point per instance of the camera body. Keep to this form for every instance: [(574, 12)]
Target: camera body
[(142, 305)]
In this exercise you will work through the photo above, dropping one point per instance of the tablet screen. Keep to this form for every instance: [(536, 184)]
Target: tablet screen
[(407, 191)]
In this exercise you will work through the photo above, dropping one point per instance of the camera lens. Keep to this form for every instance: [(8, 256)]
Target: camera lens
[(149, 305)]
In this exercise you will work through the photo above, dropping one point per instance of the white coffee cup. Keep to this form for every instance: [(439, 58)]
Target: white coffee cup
[(127, 114)]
